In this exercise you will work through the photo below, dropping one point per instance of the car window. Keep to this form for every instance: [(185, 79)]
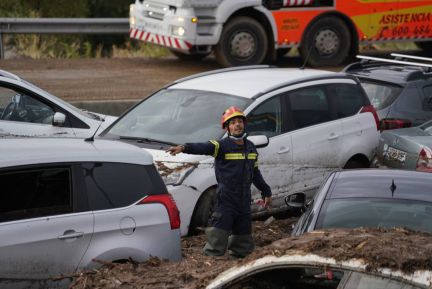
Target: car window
[(427, 101), (304, 277), (381, 94), (266, 118), (178, 116), (375, 212), (309, 106), (363, 281), (15, 106), (348, 99), (35, 193), (135, 182)]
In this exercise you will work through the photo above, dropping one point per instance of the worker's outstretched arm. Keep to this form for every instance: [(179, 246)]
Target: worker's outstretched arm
[(205, 148)]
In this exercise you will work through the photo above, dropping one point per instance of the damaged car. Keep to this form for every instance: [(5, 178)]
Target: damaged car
[(27, 110), (68, 205), (337, 259), (367, 198), (406, 148), (305, 122)]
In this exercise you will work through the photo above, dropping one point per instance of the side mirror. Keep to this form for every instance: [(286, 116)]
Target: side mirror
[(259, 141), (59, 119), (297, 200)]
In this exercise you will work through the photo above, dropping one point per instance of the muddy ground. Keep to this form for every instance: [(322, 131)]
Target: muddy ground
[(396, 248)]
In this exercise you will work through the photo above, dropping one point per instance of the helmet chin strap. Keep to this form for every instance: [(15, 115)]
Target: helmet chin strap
[(239, 137)]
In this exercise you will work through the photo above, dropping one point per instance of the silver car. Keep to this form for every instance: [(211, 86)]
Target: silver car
[(407, 148), (27, 110), (65, 203)]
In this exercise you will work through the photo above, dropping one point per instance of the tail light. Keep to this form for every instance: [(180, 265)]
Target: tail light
[(169, 203), (371, 109), (424, 162), (389, 123)]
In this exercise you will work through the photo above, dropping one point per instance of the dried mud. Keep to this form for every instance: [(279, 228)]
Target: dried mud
[(391, 248)]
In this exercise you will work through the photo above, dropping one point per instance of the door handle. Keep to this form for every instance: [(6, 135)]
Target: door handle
[(283, 150), (333, 136), (70, 235)]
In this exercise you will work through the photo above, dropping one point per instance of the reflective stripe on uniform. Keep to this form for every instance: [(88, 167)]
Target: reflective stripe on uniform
[(216, 144), (256, 164), (239, 156)]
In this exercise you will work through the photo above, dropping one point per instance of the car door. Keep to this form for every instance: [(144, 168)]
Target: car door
[(43, 233), (22, 114), (316, 137), (268, 117)]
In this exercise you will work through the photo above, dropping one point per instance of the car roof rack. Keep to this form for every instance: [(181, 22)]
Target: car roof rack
[(399, 56), (393, 61)]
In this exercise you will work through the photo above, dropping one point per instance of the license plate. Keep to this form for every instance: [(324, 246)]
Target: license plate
[(395, 154)]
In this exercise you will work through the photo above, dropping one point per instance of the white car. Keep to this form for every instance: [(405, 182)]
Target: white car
[(27, 110), (315, 121), (66, 203)]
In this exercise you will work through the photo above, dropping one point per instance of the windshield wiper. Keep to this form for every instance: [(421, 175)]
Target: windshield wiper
[(146, 139)]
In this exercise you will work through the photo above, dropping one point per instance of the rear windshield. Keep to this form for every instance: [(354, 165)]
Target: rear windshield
[(374, 212), (107, 188), (427, 127), (381, 94)]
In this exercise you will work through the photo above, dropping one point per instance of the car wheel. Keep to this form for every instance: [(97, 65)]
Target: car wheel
[(243, 42), (326, 43), (203, 211), (189, 57)]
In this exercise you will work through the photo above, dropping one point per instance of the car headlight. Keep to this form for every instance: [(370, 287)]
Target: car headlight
[(174, 175), (178, 30), (131, 15)]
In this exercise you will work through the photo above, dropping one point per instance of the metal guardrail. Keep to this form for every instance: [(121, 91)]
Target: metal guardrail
[(62, 26)]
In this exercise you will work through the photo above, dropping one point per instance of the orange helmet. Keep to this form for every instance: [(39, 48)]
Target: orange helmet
[(230, 113)]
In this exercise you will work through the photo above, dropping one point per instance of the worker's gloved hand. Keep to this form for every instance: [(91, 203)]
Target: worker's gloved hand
[(175, 150)]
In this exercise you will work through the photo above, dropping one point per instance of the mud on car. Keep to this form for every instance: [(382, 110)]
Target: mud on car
[(315, 121)]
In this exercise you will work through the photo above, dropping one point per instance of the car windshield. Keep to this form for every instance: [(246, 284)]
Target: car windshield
[(427, 127), (375, 212), (177, 116), (381, 94)]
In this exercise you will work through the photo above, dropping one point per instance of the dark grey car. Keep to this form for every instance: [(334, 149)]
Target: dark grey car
[(368, 198), (401, 93)]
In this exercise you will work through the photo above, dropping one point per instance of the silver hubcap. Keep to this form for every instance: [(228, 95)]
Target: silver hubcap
[(327, 42), (242, 45)]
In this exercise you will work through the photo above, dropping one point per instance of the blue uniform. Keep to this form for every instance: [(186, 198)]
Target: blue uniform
[(236, 168)]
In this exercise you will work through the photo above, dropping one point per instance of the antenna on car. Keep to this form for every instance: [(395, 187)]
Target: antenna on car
[(91, 138), (307, 57), (393, 187)]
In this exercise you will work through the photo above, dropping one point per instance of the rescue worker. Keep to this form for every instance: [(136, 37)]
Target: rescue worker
[(236, 168)]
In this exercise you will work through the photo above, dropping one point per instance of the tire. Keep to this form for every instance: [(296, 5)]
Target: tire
[(189, 57), (203, 211), (326, 43), (243, 42)]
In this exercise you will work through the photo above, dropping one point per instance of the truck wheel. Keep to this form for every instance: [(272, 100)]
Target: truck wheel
[(326, 43), (203, 211), (243, 42), (188, 57)]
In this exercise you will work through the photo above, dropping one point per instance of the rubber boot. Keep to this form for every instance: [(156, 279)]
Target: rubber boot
[(217, 240), (240, 246)]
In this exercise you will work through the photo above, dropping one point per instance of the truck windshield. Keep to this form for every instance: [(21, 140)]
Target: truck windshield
[(177, 116)]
